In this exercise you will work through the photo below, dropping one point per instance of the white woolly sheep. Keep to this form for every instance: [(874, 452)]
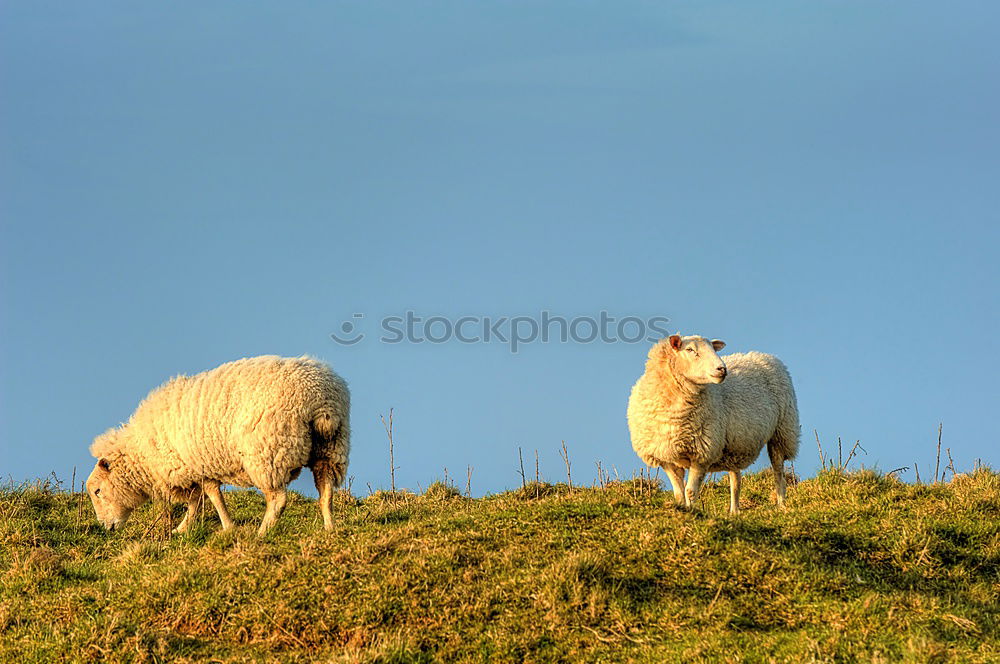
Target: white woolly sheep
[(253, 422), (692, 409)]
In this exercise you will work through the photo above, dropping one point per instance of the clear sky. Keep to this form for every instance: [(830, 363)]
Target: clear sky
[(183, 184)]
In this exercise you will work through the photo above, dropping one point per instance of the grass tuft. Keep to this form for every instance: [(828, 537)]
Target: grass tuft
[(441, 492)]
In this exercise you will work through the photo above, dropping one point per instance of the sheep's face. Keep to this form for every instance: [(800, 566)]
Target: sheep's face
[(112, 505), (695, 358)]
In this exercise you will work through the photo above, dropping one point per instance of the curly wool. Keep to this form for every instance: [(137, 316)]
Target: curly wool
[(717, 426), (252, 422)]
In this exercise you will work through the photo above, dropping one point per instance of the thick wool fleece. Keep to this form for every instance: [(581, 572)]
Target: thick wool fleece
[(253, 422), (720, 426)]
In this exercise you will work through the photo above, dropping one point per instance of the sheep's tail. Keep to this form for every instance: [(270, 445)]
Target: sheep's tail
[(331, 445), (784, 443)]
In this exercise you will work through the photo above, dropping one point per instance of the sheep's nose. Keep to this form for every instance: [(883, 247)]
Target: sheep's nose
[(722, 371)]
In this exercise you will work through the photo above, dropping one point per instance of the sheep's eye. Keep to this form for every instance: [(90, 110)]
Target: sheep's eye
[(97, 492), (692, 350)]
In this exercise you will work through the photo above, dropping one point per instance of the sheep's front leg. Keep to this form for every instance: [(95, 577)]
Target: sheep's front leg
[(696, 475), (676, 475), (734, 491), (215, 495), (193, 508), (275, 505)]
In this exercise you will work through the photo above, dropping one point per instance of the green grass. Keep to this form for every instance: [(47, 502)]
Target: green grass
[(859, 567)]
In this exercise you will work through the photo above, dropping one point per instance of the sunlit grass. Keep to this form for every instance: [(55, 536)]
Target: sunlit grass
[(859, 567)]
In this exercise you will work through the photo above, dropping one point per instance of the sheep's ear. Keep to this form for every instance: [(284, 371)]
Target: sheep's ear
[(718, 344), (675, 341), (103, 464)]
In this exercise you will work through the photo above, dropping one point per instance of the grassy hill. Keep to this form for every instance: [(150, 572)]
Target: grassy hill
[(860, 567)]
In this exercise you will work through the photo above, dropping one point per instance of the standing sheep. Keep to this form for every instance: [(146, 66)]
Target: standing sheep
[(682, 415), (252, 422)]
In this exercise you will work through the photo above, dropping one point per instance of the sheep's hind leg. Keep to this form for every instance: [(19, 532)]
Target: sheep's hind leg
[(275, 505), (215, 495), (193, 508), (323, 476), (696, 475), (778, 468), (735, 479), (676, 475)]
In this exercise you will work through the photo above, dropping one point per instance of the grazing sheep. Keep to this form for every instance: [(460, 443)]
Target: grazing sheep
[(253, 422), (682, 415)]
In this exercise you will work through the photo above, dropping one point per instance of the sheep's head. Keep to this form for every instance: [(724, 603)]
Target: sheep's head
[(694, 358), (113, 500)]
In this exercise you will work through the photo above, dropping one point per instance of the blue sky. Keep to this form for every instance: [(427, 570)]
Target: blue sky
[(186, 184)]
